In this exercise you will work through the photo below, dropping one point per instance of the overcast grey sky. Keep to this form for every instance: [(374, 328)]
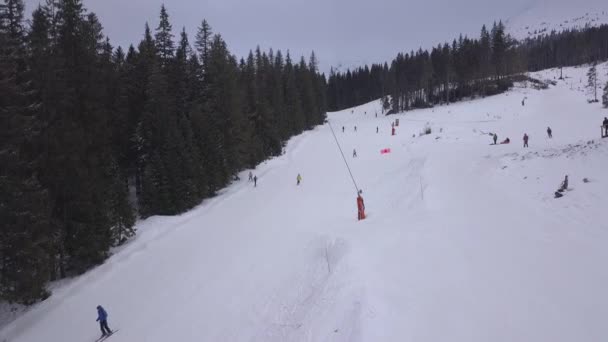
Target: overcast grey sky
[(341, 32)]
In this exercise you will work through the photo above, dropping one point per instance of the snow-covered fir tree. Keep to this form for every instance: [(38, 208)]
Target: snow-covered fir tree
[(592, 81)]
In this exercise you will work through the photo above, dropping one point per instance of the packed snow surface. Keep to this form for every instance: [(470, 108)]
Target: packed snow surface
[(463, 241)]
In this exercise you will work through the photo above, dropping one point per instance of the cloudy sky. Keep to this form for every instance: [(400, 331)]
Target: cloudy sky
[(341, 32)]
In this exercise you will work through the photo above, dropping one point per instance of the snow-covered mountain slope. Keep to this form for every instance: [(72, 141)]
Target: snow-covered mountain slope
[(464, 240), (544, 16)]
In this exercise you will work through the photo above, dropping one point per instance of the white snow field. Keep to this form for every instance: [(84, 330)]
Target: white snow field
[(541, 17), (463, 241)]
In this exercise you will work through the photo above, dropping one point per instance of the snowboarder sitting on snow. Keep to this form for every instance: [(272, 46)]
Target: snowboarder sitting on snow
[(495, 137), (102, 318), (506, 141), (563, 187), (605, 124), (299, 179)]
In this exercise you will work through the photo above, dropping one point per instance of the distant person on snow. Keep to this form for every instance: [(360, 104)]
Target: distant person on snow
[(354, 153), (376, 129), (255, 181), (526, 139), (563, 187), (342, 129), (299, 179), (495, 137), (605, 124), (360, 207), (355, 128), (102, 318), (250, 176), (549, 132), (506, 141)]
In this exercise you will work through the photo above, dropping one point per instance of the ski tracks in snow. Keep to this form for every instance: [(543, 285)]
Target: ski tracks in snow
[(316, 303)]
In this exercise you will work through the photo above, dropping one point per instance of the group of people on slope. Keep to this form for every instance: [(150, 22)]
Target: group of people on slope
[(525, 139)]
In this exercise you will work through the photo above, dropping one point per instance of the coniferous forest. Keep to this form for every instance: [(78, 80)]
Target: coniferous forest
[(465, 68), (93, 136)]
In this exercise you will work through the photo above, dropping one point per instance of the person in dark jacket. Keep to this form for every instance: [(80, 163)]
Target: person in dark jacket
[(605, 124), (255, 181), (564, 185), (495, 137), (102, 318), (526, 137), (549, 132)]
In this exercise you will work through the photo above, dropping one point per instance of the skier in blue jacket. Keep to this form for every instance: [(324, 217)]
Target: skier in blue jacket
[(102, 318)]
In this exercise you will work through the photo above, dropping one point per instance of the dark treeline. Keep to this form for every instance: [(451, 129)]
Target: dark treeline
[(465, 68), (92, 136)]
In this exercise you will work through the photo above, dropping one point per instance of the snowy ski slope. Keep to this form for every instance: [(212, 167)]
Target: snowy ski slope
[(464, 241), (543, 16)]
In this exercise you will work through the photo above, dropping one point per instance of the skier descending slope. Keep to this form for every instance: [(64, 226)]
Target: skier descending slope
[(102, 318)]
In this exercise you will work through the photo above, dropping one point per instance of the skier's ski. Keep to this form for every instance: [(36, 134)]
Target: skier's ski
[(103, 338)]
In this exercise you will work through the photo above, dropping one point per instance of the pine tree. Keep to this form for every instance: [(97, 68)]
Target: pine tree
[(164, 37), (592, 80), (498, 48), (605, 96), (203, 42)]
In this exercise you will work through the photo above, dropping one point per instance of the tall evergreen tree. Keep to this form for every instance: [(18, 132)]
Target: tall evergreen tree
[(499, 47), (605, 96), (592, 80), (204, 37), (164, 37)]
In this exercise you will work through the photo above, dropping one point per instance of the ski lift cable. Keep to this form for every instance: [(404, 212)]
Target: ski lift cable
[(343, 157)]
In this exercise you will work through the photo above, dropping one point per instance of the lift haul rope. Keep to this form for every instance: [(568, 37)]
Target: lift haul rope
[(343, 157)]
